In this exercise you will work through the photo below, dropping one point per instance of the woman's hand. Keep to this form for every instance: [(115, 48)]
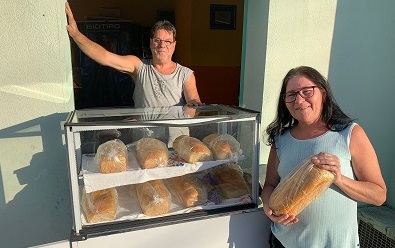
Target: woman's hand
[(283, 219), (328, 162)]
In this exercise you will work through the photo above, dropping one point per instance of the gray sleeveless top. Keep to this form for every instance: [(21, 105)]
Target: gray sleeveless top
[(153, 89), (330, 220)]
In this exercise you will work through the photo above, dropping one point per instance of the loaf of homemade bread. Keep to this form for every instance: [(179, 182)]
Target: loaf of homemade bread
[(301, 187), (188, 190), (102, 136), (230, 180), (151, 153), (112, 157), (154, 198), (223, 146), (191, 149), (100, 206)]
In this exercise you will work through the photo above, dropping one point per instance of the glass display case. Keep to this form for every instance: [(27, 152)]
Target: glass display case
[(132, 169)]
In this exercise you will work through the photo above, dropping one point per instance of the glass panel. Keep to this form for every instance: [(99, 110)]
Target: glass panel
[(147, 114), (225, 180)]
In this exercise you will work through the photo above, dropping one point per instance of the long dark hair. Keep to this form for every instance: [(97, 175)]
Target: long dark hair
[(334, 118)]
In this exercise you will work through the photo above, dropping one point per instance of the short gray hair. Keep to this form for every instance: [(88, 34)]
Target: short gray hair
[(163, 25)]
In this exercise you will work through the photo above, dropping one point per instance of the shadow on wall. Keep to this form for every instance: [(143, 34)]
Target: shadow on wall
[(366, 62), (40, 213)]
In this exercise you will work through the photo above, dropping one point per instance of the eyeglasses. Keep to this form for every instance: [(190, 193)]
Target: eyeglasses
[(158, 41), (305, 92)]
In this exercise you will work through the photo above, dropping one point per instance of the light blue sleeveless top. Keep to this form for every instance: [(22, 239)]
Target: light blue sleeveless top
[(331, 220), (153, 89)]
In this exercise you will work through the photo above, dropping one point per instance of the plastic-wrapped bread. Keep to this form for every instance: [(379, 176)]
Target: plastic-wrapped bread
[(301, 187), (154, 198), (100, 205), (223, 146), (151, 153), (188, 190), (112, 157), (230, 180), (102, 136), (191, 149)]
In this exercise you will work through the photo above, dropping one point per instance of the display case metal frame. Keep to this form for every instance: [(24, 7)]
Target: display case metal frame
[(123, 118)]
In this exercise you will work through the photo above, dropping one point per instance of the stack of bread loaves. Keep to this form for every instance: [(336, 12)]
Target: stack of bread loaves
[(301, 187)]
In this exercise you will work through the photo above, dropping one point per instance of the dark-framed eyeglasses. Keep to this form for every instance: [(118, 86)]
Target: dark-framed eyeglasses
[(158, 41), (305, 92)]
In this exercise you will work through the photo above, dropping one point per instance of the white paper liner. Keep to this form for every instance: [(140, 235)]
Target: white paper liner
[(129, 208), (94, 180)]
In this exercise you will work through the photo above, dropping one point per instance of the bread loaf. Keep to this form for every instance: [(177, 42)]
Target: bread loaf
[(151, 153), (188, 190), (223, 146), (191, 149), (100, 205), (301, 187), (102, 136), (112, 157), (231, 181), (154, 198)]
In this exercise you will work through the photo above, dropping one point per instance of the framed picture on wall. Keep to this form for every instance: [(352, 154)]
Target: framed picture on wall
[(222, 16)]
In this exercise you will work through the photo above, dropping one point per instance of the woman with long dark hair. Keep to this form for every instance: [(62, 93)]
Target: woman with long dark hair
[(310, 124)]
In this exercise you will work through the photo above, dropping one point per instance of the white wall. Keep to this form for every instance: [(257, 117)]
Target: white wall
[(36, 95), (299, 33), (352, 43), (361, 69)]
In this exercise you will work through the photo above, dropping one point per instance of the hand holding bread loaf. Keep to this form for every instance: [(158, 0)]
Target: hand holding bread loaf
[(301, 187), (191, 149)]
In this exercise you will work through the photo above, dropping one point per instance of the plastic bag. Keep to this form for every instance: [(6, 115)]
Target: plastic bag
[(188, 189), (101, 205), (112, 157), (191, 149), (299, 188), (223, 146), (151, 153), (230, 180), (153, 196), (103, 136)]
